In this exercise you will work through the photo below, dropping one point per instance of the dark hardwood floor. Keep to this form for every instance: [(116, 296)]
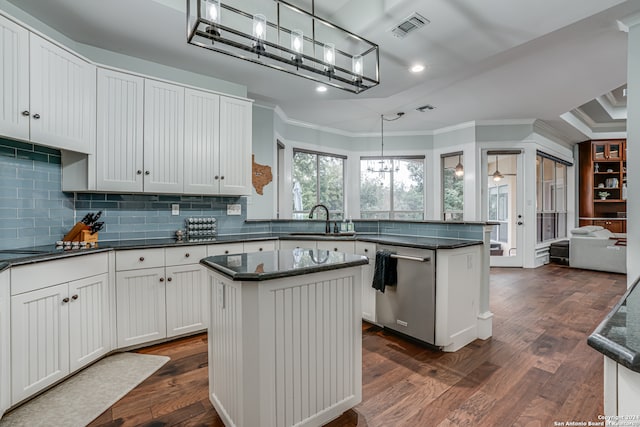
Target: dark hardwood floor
[(536, 369)]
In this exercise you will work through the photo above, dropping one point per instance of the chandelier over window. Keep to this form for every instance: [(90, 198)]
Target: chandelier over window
[(383, 164), (286, 38)]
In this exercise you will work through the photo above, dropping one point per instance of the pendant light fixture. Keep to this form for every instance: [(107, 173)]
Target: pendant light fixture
[(459, 170), (384, 165), (497, 176), (286, 38)]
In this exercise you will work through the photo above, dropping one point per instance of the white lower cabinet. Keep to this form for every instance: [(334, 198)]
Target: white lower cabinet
[(187, 293), (56, 329), (140, 306), (167, 298), (368, 292), (5, 342)]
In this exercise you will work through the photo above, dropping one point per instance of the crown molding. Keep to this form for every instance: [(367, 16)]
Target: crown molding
[(628, 21), (546, 130), (615, 112)]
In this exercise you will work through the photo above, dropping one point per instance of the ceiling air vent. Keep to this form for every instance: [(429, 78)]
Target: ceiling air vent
[(411, 23)]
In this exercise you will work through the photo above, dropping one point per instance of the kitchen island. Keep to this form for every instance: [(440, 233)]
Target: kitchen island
[(285, 336)]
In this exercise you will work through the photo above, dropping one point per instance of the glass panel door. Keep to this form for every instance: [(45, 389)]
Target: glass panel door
[(504, 206)]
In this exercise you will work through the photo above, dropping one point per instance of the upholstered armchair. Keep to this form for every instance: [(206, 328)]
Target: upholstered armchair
[(596, 248)]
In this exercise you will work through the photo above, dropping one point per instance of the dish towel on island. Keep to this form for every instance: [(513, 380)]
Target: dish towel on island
[(386, 270)]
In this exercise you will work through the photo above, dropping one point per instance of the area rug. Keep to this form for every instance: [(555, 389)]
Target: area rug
[(83, 397)]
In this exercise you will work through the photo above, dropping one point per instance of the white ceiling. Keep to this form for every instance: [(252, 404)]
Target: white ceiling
[(487, 60)]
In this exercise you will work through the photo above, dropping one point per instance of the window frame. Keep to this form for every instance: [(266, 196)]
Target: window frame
[(393, 212), (445, 212), (334, 214), (546, 208)]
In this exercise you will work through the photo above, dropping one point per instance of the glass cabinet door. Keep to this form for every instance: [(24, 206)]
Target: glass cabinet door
[(599, 151), (615, 151)]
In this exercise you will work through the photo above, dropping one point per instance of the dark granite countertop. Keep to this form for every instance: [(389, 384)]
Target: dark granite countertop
[(259, 266), (419, 242), (35, 254), (618, 336)]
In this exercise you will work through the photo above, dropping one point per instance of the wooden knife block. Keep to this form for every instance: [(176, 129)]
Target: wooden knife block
[(80, 233)]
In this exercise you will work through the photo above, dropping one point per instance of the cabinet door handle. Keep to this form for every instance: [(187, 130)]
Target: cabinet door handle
[(74, 297), (366, 250), (26, 113), (147, 173), (335, 249), (222, 177), (141, 258), (226, 252), (65, 300), (169, 279), (36, 116), (216, 177), (139, 172), (187, 255), (259, 249), (162, 279)]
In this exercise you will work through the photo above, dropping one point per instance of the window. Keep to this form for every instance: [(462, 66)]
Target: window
[(317, 178), (397, 193), (551, 198), (452, 187), (499, 212)]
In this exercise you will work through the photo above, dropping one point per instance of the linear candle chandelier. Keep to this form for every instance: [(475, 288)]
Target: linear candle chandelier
[(288, 39)]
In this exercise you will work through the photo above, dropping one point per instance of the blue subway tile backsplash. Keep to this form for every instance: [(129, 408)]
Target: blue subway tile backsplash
[(35, 211)]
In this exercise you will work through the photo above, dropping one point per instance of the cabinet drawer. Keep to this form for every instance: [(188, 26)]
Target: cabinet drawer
[(224, 249), (184, 256), (293, 244), (367, 249), (337, 246), (43, 274), (139, 258), (259, 246)]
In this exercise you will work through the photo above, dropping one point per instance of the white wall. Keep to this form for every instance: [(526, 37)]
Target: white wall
[(633, 149)]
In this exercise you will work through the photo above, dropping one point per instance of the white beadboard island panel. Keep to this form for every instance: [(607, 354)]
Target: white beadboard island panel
[(286, 351)]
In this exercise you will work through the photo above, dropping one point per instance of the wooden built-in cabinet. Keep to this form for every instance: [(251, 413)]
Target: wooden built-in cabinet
[(603, 169)]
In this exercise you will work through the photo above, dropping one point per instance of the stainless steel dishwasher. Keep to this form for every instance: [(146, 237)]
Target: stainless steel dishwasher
[(409, 307)]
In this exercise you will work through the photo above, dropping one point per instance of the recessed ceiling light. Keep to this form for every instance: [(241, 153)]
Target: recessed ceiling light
[(321, 88), (416, 68)]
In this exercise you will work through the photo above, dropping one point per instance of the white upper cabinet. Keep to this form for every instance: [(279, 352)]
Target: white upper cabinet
[(235, 146), (201, 142), (48, 93), (63, 98), (163, 137), (119, 162), (14, 82), (217, 144)]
